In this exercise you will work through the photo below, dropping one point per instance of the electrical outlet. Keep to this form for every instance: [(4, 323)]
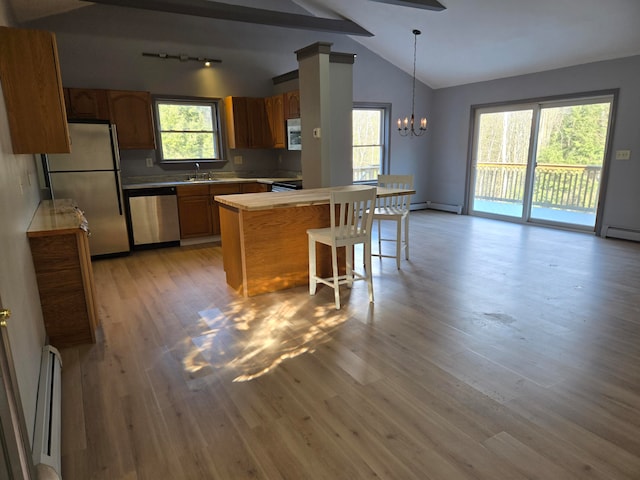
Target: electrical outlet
[(623, 154), (237, 160), (149, 162)]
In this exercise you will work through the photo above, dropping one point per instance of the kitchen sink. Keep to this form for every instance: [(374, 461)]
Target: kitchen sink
[(200, 179)]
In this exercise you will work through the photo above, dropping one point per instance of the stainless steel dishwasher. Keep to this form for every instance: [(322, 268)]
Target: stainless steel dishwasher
[(153, 217)]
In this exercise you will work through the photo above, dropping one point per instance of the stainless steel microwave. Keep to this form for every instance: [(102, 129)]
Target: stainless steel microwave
[(294, 134)]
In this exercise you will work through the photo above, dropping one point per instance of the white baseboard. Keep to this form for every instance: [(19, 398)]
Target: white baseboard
[(444, 207), (620, 232)]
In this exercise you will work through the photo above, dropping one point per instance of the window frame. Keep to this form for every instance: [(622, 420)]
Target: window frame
[(385, 129), (213, 103)]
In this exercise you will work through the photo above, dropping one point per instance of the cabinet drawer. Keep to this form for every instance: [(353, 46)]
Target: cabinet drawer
[(226, 188), (191, 190)]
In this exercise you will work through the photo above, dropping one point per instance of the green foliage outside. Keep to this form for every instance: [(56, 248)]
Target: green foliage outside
[(570, 152), (187, 131), (569, 135), (574, 135), (367, 148)]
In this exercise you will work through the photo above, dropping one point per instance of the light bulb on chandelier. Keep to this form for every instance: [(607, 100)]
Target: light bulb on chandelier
[(407, 126)]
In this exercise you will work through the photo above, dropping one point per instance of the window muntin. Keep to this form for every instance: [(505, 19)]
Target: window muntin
[(188, 130)]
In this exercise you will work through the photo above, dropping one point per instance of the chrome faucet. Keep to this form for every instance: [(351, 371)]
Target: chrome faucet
[(197, 170)]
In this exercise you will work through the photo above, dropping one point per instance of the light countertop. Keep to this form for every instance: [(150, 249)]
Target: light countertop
[(296, 198), (151, 182), (56, 216)]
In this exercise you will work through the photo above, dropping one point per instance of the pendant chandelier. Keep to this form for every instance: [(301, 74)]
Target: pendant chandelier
[(407, 126)]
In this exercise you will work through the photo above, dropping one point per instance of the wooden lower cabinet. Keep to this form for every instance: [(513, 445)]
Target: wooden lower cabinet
[(255, 187), (221, 189), (195, 215), (199, 212), (64, 275)]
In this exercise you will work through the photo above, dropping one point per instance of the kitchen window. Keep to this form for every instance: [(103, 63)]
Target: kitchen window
[(370, 141), (188, 130)]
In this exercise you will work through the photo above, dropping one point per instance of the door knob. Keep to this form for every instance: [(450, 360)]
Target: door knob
[(4, 315)]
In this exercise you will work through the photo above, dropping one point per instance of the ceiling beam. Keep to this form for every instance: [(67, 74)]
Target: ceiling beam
[(238, 13), (424, 4)]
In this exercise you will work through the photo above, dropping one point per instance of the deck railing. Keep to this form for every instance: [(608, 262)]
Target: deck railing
[(363, 174), (572, 187)]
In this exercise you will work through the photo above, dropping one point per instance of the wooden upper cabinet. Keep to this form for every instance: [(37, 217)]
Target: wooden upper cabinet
[(32, 87), (86, 103), (292, 104), (275, 112), (131, 113), (259, 133), (247, 122), (235, 112)]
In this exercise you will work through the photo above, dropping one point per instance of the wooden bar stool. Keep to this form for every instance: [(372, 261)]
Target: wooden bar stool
[(395, 209), (351, 221)]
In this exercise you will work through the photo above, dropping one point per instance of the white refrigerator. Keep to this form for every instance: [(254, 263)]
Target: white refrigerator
[(90, 175)]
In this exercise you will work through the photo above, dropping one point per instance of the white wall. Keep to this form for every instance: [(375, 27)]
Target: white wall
[(19, 197), (451, 117)]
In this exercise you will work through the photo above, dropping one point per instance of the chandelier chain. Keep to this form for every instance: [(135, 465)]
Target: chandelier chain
[(408, 127), (413, 93)]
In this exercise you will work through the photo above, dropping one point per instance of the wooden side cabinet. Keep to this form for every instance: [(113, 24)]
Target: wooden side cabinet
[(32, 87), (87, 103), (131, 113), (60, 249)]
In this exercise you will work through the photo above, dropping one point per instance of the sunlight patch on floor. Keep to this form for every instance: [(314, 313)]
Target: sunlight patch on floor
[(251, 339)]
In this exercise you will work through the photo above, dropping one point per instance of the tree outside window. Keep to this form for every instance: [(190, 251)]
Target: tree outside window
[(188, 130), (369, 139)]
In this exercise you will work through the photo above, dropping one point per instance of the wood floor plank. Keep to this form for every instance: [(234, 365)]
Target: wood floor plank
[(524, 459), (498, 351)]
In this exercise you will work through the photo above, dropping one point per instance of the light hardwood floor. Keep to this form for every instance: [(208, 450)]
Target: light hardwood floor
[(499, 351)]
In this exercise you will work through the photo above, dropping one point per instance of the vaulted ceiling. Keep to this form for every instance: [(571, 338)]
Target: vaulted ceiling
[(468, 41)]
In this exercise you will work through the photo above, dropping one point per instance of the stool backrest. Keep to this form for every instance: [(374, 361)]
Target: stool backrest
[(352, 212), (400, 202)]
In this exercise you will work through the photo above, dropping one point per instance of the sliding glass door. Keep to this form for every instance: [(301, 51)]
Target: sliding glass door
[(540, 162), (569, 159), (502, 145)]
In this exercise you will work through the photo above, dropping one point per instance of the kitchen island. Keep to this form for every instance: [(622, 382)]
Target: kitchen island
[(264, 236)]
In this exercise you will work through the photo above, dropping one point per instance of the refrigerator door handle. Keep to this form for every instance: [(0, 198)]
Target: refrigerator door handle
[(116, 164), (118, 192), (114, 146)]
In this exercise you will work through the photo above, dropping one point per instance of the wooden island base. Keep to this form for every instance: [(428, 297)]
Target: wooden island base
[(264, 237), (267, 250)]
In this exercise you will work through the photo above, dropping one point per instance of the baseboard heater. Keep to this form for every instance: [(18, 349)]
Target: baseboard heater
[(621, 232), (47, 432), (444, 207)]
